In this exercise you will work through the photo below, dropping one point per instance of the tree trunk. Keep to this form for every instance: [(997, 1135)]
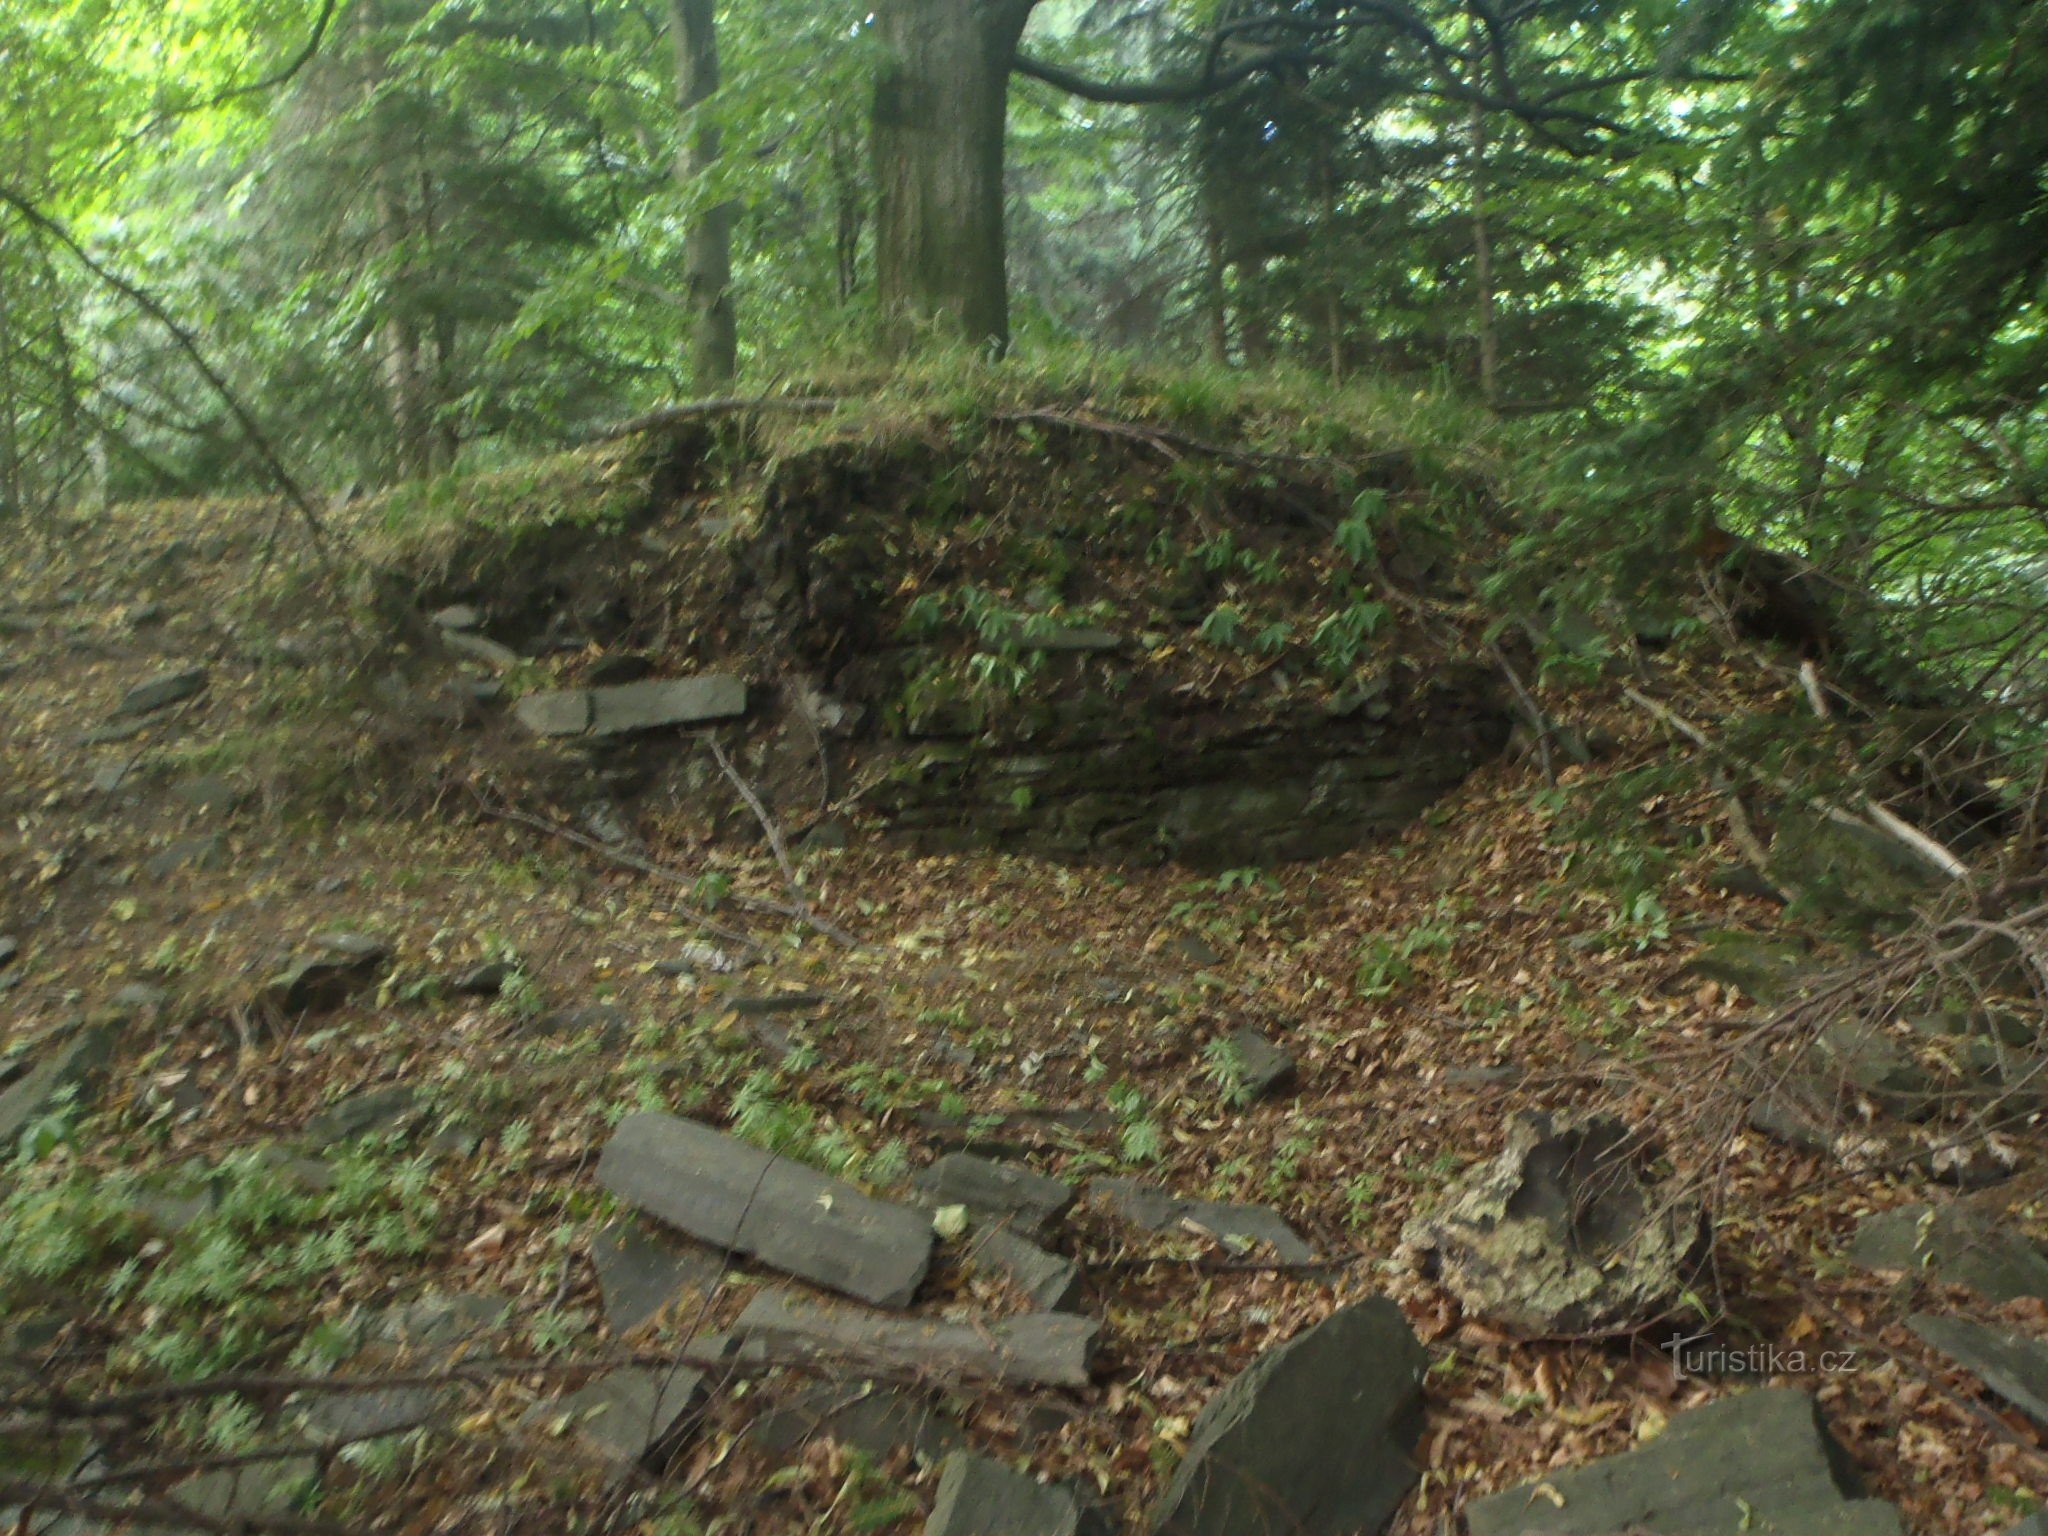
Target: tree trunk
[(707, 248), (1482, 268), (941, 100)]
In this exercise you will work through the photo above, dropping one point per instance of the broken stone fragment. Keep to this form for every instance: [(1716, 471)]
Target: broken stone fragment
[(1256, 1067), (630, 707), (1957, 1243), (1052, 1349), (1050, 1281), (1564, 1232), (1760, 1461), (738, 1198), (76, 1064), (374, 1111), (314, 983), (638, 1277), (1315, 1438), (480, 648), (632, 1418), (458, 616), (2010, 1364), (1237, 1225), (162, 690), (981, 1497), (994, 1191), (870, 1417), (485, 979)]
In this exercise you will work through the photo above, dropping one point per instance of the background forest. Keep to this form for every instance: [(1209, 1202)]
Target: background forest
[(1311, 734), (1781, 263)]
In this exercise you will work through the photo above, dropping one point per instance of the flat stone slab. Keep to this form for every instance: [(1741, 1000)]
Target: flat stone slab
[(1161, 1211), (628, 707), (1050, 1280), (994, 1191), (981, 1497), (1957, 1243), (637, 1277), (1760, 1461), (1315, 1438), (343, 1418), (870, 1417), (739, 1199), (163, 690), (1053, 1349), (630, 1418), (2011, 1365)]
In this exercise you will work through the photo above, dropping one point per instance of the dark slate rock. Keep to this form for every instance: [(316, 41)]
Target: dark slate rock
[(314, 983), (202, 852), (1157, 1209), (756, 1004), (869, 1417), (1053, 1349), (637, 1277), (375, 1111), (740, 1199), (1956, 1243), (438, 1322), (980, 1497), (485, 979), (1081, 638), (265, 1489), (604, 1021), (630, 707), (1759, 1461), (1315, 1438), (1767, 967), (619, 667), (342, 1418), (633, 1418), (207, 795), (2033, 1525), (480, 648), (1051, 1281), (2011, 1365), (1879, 1064), (74, 1064), (159, 692), (1257, 1067), (1563, 1232), (995, 1191)]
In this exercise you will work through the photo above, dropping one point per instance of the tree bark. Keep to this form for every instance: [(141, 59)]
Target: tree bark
[(707, 247), (941, 99)]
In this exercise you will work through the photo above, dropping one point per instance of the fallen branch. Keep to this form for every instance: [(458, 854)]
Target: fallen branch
[(801, 899), (699, 410), (633, 861), (1875, 818)]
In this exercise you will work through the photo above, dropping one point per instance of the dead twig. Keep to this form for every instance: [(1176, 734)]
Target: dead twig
[(799, 897)]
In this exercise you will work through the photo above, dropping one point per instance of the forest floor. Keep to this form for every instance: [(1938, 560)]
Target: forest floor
[(1426, 986)]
